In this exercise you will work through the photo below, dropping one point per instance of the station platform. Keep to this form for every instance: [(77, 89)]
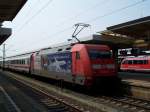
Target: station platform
[(140, 83), (6, 104), (15, 97), (137, 88)]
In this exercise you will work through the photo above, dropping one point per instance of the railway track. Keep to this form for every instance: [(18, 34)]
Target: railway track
[(51, 102), (127, 103)]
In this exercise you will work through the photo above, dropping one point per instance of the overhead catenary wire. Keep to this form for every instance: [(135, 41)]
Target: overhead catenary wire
[(70, 18), (29, 11), (117, 10), (84, 12), (47, 37), (35, 15), (102, 16), (77, 15)]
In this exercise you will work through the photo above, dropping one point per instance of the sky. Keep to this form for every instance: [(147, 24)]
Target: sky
[(43, 23)]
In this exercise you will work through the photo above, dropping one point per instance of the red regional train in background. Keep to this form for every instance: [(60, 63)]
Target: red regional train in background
[(81, 64), (139, 64)]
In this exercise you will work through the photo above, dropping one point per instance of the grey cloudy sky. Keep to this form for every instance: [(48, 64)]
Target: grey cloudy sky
[(43, 23)]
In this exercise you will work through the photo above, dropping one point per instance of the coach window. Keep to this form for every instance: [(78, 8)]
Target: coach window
[(28, 61), (59, 50), (140, 61), (135, 61), (129, 61), (145, 61), (125, 62), (68, 48), (77, 55)]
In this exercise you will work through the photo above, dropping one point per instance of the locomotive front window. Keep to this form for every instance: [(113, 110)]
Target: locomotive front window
[(77, 55), (95, 54)]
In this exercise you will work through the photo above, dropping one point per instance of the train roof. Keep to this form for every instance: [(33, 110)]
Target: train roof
[(137, 58), (21, 55), (66, 46)]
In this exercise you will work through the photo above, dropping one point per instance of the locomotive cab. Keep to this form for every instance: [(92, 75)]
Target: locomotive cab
[(91, 63)]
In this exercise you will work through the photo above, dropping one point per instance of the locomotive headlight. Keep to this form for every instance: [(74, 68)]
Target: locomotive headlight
[(96, 66), (110, 66)]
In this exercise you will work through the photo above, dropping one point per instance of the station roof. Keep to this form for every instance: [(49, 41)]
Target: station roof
[(113, 41), (139, 28), (10, 8), (8, 11), (4, 34)]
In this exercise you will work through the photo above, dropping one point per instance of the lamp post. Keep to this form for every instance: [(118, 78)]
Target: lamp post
[(3, 56)]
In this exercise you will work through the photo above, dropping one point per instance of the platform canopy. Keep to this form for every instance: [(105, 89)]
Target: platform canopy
[(139, 28), (113, 41), (10, 8), (4, 34), (8, 11)]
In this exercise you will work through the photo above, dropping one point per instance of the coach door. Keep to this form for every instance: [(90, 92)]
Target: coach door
[(37, 63), (77, 66), (31, 64)]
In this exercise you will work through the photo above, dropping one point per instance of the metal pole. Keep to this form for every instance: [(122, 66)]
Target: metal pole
[(3, 56)]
